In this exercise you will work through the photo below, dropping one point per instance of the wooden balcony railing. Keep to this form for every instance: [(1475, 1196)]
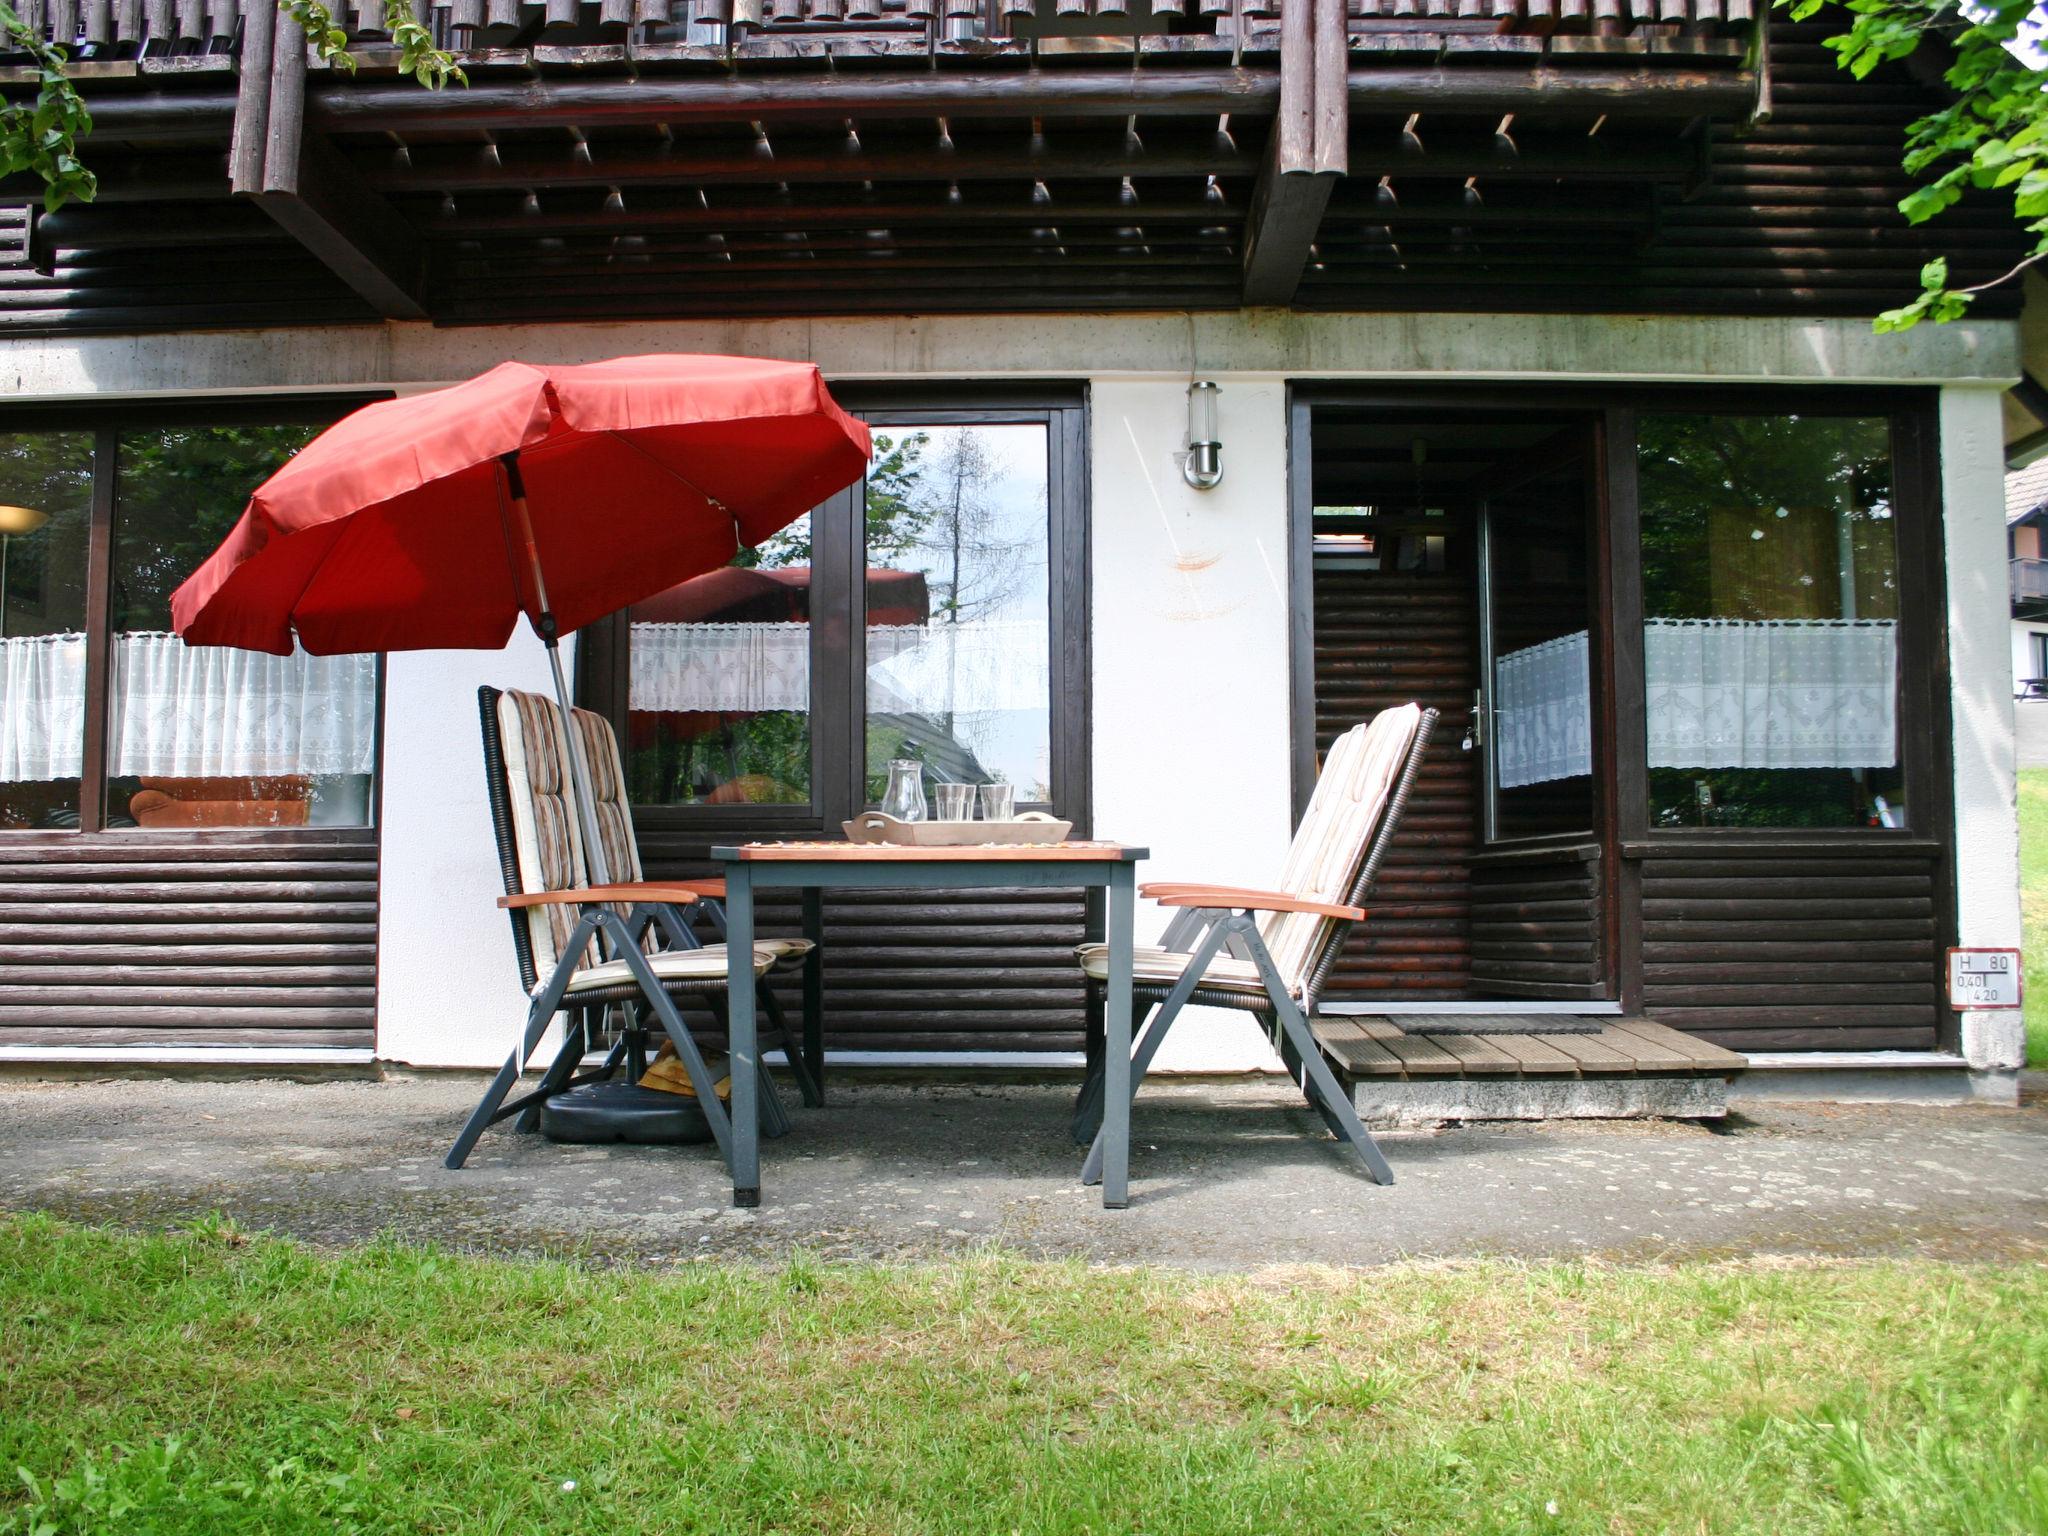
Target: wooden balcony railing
[(2029, 581), (129, 29)]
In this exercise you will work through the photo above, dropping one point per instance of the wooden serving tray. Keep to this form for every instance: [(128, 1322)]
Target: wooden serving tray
[(1032, 827)]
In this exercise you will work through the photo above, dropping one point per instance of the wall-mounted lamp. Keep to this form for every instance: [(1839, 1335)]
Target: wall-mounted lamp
[(14, 520), (1203, 466)]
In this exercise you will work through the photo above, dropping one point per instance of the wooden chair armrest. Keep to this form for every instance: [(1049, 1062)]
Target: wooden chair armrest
[(675, 893), (1243, 900)]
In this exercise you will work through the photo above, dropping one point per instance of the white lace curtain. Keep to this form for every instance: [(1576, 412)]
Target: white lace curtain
[(182, 711), (1543, 710), (982, 665), (1721, 693), (1776, 693)]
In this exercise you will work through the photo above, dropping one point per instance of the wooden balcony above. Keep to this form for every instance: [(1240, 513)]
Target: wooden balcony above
[(743, 158)]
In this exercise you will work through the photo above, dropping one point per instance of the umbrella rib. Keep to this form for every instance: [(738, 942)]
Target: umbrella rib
[(738, 543)]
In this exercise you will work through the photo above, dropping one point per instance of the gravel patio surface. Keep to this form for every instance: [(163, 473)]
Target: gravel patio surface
[(1233, 1175)]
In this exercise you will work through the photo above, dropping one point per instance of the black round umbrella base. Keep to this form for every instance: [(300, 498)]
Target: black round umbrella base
[(603, 1112)]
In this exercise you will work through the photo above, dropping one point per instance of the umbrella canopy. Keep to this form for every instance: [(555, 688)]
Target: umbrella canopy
[(405, 525)]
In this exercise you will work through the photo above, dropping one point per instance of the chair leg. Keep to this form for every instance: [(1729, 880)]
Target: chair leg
[(814, 988), (1088, 1102), (575, 1045), (1305, 1059), (1088, 1107), (1087, 1122), (807, 1086), (543, 1008)]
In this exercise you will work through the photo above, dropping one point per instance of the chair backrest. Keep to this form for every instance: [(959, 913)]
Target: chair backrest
[(533, 819), (533, 816), (608, 796), (1343, 835)]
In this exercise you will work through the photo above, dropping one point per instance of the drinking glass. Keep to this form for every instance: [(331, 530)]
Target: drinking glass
[(998, 802), (955, 801)]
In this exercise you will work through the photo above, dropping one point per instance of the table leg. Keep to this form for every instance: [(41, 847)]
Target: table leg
[(1116, 1045), (814, 987), (743, 1046)]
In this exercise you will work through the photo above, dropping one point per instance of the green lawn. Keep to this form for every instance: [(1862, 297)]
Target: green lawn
[(200, 1381), (2034, 907)]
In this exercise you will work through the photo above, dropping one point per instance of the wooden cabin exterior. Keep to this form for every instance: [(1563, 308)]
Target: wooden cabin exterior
[(1482, 283)]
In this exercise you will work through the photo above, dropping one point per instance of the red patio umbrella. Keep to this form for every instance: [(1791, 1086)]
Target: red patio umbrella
[(563, 493)]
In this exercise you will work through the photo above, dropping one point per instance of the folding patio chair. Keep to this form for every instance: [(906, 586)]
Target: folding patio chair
[(540, 850), (1214, 953)]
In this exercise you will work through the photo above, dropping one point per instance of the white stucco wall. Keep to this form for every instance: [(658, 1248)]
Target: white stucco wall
[(1190, 725), (1980, 661), (1190, 602), (447, 984)]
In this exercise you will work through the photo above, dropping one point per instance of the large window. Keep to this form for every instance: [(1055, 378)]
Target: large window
[(107, 719), (959, 643), (920, 614), (1771, 617), (45, 527)]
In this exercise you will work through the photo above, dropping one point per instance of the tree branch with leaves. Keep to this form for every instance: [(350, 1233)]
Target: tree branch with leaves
[(1993, 134)]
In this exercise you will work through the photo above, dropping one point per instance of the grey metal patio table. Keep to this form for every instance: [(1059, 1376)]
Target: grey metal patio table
[(812, 867)]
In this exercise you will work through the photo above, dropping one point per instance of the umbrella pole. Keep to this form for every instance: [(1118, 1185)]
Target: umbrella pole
[(544, 626)]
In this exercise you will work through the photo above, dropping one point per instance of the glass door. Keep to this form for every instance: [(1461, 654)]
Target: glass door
[(1535, 703), (1542, 898)]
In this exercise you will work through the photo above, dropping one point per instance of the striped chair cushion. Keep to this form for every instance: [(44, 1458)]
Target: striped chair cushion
[(549, 840), (1330, 844), (543, 816), (1329, 849)]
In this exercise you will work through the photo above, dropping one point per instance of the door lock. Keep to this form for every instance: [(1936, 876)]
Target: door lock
[(1475, 733)]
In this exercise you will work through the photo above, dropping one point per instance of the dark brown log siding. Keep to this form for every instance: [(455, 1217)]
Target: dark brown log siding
[(1775, 946), (1383, 639), (1538, 924), (928, 971), (132, 938)]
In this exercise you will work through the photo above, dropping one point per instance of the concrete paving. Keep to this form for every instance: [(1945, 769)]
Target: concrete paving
[(1226, 1175), (2030, 733)]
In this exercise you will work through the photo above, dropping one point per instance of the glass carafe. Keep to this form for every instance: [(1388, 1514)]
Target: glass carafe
[(904, 798)]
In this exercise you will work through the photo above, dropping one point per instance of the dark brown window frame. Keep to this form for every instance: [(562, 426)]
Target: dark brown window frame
[(838, 623), (1925, 726), (106, 422), (1923, 629)]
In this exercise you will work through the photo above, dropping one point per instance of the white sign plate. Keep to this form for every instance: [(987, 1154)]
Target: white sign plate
[(1984, 978)]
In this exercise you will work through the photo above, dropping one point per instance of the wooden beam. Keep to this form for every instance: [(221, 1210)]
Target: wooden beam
[(2032, 397), (1641, 93), (90, 228), (189, 177), (859, 213), (316, 196), (1306, 153), (1637, 91)]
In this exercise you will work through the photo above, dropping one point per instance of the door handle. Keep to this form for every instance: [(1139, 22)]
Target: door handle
[(1475, 733)]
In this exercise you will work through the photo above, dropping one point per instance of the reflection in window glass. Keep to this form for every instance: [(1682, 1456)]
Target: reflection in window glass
[(958, 634), (1539, 577), (1771, 606), (719, 692), (45, 515), (207, 736)]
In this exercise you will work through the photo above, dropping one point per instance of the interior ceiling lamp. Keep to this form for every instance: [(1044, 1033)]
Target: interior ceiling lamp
[(1203, 466), (13, 521)]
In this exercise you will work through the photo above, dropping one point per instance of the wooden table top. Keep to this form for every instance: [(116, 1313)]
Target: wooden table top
[(892, 853)]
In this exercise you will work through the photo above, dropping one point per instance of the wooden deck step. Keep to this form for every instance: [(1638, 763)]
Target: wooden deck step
[(1380, 1047)]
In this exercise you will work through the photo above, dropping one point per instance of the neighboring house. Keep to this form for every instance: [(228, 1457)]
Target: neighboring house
[(2026, 500), (1548, 396)]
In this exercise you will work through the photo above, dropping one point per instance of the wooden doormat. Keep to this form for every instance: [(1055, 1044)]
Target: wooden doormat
[(1494, 1023)]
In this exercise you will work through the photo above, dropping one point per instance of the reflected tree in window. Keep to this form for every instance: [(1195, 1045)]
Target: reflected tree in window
[(1771, 605)]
